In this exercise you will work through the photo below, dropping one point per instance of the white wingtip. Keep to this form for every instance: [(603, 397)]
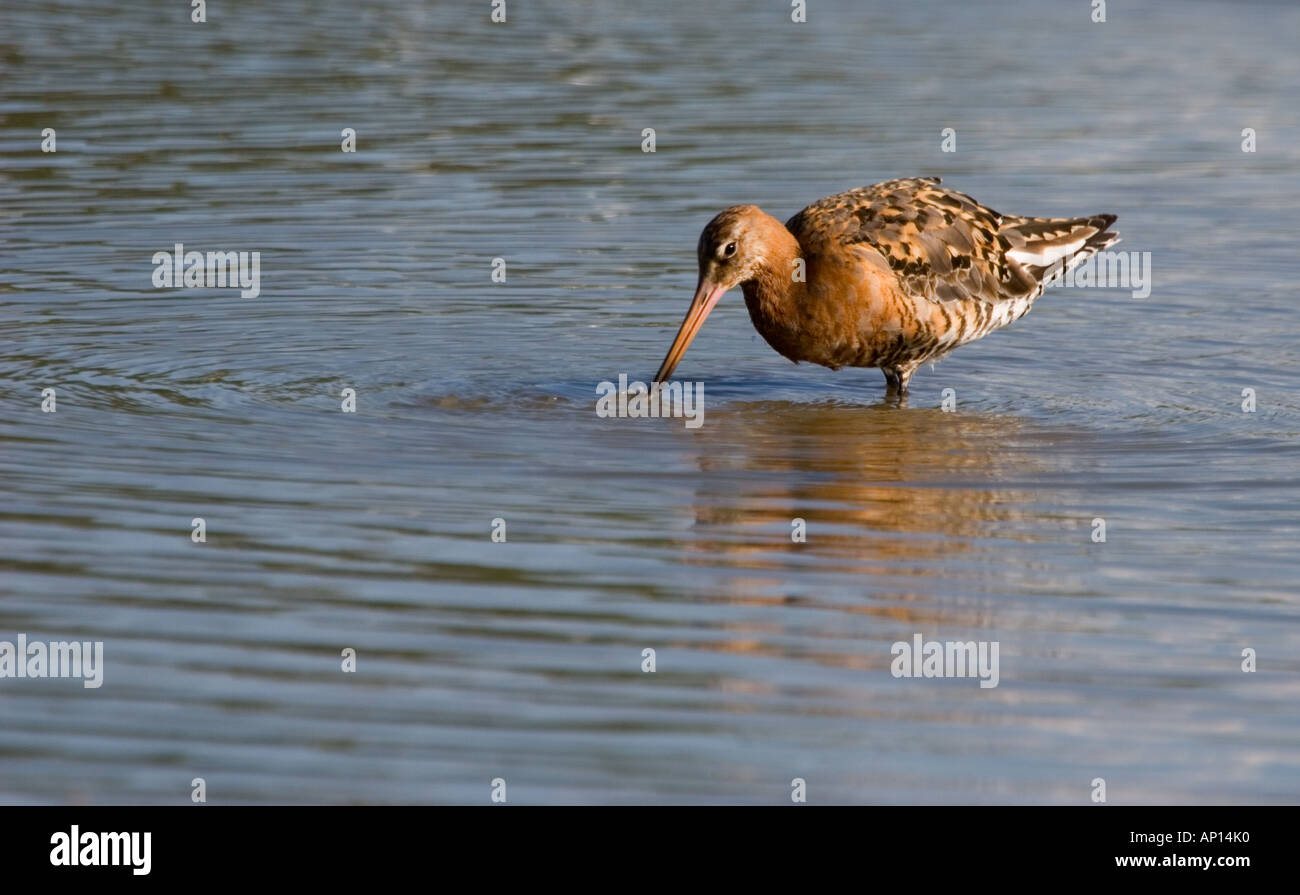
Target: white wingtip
[(1047, 255)]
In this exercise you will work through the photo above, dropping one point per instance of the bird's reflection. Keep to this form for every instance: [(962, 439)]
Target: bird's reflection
[(911, 507), (874, 486)]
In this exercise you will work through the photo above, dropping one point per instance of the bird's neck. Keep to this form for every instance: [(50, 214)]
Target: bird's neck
[(774, 295)]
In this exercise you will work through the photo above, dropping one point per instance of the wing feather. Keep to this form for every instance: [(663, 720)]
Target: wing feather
[(945, 246)]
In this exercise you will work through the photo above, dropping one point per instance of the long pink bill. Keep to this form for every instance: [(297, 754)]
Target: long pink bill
[(706, 296)]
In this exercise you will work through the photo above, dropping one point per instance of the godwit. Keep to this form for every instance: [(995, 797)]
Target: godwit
[(889, 276)]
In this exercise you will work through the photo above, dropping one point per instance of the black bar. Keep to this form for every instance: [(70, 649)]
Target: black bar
[(339, 845)]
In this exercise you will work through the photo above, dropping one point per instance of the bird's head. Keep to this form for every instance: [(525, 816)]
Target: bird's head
[(732, 251)]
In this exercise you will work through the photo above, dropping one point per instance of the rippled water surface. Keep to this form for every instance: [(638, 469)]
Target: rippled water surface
[(475, 401)]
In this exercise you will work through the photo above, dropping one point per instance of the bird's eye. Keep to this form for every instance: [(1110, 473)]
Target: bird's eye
[(730, 249)]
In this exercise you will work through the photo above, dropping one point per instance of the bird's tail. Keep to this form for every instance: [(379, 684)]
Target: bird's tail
[(1045, 248)]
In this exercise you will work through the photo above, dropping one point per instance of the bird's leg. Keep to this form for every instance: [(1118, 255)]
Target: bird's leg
[(895, 387), (897, 377)]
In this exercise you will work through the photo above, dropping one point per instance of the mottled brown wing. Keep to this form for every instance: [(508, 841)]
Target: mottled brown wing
[(939, 243)]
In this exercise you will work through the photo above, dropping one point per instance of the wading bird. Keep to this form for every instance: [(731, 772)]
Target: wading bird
[(890, 276)]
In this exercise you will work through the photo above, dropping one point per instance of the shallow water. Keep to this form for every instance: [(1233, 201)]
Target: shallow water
[(475, 401)]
